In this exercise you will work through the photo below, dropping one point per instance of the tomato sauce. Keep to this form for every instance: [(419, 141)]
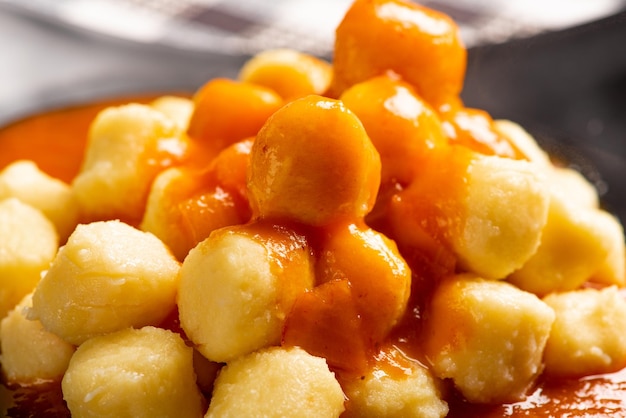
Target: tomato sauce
[(56, 142), (593, 396)]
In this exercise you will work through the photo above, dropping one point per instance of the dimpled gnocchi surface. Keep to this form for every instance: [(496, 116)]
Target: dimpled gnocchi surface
[(313, 238), (108, 276), (277, 382), (142, 372)]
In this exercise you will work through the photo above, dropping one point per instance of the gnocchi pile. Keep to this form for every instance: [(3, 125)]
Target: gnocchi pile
[(311, 239)]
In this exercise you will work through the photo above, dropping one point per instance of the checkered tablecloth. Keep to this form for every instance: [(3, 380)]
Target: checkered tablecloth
[(248, 26)]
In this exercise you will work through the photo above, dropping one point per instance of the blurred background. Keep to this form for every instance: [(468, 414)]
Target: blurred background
[(558, 67)]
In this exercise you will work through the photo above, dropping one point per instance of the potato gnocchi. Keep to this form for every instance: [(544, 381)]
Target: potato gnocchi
[(107, 277), (28, 243), (328, 239), (30, 353), (142, 372)]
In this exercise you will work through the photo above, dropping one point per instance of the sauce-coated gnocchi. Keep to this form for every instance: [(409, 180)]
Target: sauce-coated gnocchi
[(328, 239)]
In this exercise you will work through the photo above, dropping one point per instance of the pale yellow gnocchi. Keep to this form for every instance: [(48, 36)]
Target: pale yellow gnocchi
[(237, 286), (30, 353), (177, 109), (589, 332), (128, 146), (523, 141), (575, 243), (409, 392), (487, 336), (107, 277), (28, 243), (507, 207), (54, 198), (276, 382), (133, 373)]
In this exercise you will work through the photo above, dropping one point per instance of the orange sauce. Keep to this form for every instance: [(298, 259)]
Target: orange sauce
[(56, 141), (594, 396)]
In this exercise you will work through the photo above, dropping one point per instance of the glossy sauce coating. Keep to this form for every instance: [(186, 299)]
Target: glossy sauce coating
[(436, 65), (228, 111), (194, 201), (474, 128), (403, 127), (286, 183)]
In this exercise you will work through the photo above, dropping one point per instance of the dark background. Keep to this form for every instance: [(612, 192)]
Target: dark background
[(567, 88)]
